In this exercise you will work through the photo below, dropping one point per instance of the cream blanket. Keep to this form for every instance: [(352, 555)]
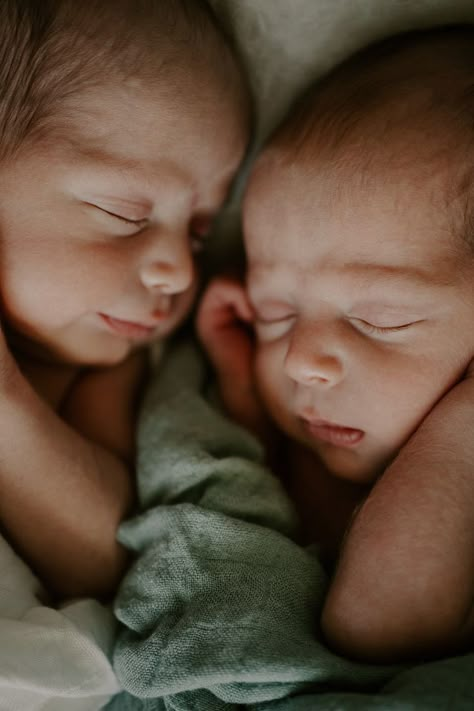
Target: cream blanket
[(50, 660)]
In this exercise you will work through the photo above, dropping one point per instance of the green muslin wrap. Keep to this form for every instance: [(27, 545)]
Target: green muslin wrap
[(221, 607)]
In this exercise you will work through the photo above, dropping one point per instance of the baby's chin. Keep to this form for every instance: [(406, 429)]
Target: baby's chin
[(355, 466)]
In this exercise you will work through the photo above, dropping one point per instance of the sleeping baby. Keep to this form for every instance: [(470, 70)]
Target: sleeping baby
[(122, 123), (358, 230)]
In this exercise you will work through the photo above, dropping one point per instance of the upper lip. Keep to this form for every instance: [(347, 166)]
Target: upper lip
[(155, 316)]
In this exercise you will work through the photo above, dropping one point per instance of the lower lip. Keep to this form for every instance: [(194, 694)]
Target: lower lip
[(127, 328), (338, 436)]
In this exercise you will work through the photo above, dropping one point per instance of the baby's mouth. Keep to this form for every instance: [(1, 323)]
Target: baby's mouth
[(333, 434), (128, 329)]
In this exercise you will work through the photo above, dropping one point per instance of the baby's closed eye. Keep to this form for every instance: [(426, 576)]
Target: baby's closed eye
[(383, 326), (117, 221), (273, 319)]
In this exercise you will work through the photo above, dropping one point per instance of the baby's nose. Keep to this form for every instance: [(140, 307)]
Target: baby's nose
[(313, 364), (170, 278), (169, 268)]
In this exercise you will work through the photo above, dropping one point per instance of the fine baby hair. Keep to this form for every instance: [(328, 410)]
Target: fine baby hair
[(414, 90), (51, 51)]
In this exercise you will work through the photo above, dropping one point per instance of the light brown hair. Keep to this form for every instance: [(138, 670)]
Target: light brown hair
[(51, 50), (410, 91)]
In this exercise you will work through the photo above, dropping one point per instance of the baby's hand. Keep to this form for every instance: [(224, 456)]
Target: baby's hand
[(223, 324), (223, 321)]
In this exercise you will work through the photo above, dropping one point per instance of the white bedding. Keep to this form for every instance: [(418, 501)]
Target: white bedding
[(287, 44), (50, 660)]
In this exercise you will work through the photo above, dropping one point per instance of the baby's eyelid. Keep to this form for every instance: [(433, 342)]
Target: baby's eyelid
[(140, 221), (373, 328)]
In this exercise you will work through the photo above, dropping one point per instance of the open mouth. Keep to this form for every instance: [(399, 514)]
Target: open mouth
[(334, 434)]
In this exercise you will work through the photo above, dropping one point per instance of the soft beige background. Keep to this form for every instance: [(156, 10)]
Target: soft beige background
[(287, 44)]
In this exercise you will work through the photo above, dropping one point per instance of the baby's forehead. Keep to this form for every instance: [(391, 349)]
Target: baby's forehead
[(109, 43), (400, 108), (296, 213), (424, 167)]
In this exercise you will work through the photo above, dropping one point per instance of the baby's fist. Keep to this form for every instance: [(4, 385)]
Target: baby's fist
[(223, 321)]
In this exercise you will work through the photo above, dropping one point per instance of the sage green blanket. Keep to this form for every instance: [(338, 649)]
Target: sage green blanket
[(221, 605)]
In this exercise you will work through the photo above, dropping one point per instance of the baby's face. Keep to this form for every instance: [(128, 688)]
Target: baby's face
[(364, 311), (99, 234)]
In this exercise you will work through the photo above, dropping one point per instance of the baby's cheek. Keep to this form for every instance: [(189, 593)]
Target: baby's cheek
[(182, 308)]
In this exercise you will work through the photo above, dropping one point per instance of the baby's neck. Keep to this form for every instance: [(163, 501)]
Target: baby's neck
[(325, 503), (51, 381)]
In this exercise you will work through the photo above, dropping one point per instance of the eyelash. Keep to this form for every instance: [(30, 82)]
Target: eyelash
[(127, 221), (197, 239), (367, 327), (381, 330)]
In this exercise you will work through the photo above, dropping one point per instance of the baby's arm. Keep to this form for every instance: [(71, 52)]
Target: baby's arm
[(405, 582), (62, 495)]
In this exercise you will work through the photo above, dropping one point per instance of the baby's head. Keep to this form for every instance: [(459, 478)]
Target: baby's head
[(359, 233), (122, 123)]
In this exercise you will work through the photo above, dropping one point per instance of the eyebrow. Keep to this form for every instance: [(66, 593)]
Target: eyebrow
[(132, 168), (93, 149), (402, 273), (108, 158), (368, 274)]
